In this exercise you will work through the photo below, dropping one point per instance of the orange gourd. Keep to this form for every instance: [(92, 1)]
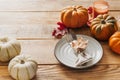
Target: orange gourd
[(74, 16), (103, 26), (114, 42)]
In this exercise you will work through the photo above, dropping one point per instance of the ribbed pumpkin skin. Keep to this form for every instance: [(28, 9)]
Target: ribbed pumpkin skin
[(9, 48), (103, 26), (74, 16), (22, 67), (114, 42)]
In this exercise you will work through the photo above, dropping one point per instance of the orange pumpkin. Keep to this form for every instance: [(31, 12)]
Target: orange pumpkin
[(114, 42), (103, 26), (74, 16)]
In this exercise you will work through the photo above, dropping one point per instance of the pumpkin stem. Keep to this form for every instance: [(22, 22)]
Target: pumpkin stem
[(74, 8), (22, 61), (103, 21)]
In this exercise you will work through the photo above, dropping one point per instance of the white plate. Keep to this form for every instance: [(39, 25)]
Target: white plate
[(64, 53)]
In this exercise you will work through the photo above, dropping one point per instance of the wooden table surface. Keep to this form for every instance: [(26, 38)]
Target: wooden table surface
[(32, 22)]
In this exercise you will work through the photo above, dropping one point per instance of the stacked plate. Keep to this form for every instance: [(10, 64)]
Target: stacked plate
[(65, 54)]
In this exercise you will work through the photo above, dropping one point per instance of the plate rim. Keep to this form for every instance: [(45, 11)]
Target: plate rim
[(79, 67)]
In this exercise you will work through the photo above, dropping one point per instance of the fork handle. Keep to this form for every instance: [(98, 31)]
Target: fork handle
[(72, 34)]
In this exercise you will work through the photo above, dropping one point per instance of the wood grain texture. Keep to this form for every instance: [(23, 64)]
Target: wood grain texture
[(48, 5), (36, 39), (60, 72), (38, 25), (32, 22), (22, 18), (23, 32), (43, 52), (35, 18), (38, 5)]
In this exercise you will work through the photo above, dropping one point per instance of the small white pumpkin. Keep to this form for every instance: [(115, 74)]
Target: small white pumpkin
[(22, 67), (9, 48)]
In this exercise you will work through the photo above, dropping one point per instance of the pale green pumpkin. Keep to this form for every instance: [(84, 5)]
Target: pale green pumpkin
[(103, 26)]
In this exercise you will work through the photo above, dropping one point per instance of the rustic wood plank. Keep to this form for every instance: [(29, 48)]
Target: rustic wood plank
[(21, 18), (37, 48), (32, 25), (32, 22), (44, 56), (59, 72), (38, 5), (28, 31), (38, 37), (4, 75), (48, 5), (98, 72), (43, 52), (33, 18)]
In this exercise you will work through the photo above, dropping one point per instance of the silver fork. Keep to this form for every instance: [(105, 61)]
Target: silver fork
[(70, 36)]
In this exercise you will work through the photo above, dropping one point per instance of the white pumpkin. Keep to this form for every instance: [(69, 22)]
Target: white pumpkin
[(9, 48), (22, 67)]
